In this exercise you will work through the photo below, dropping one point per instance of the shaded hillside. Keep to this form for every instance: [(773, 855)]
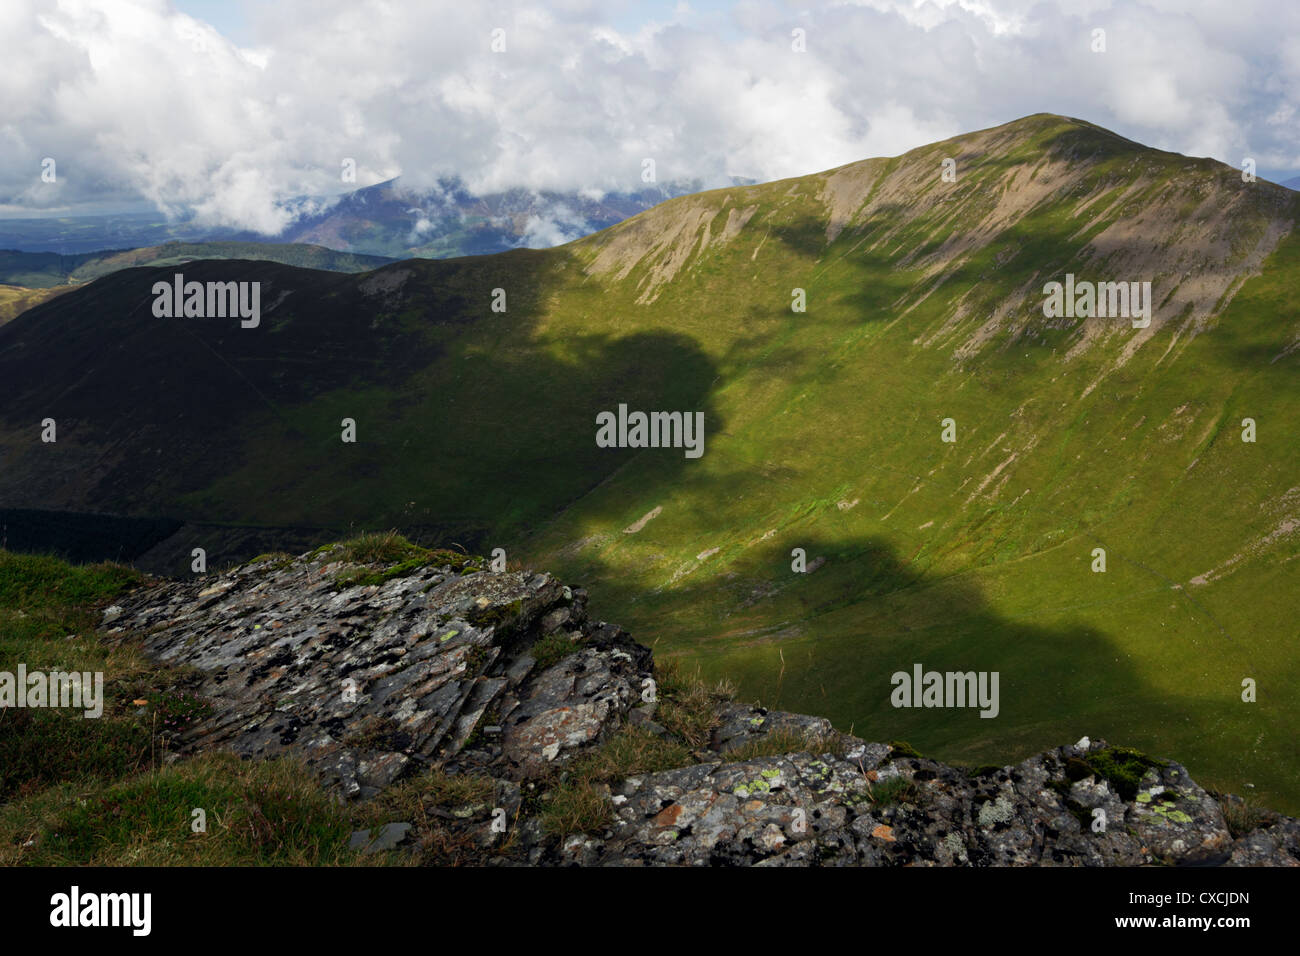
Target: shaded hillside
[(823, 432), (47, 269), (445, 403)]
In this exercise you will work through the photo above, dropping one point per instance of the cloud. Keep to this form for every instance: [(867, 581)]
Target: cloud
[(134, 98), (555, 225)]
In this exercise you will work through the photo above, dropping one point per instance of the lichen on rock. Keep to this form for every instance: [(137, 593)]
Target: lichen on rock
[(437, 669)]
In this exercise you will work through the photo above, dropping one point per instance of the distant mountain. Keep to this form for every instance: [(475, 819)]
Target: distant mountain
[(832, 329), (75, 235), (43, 270), (1293, 183), (386, 220), (449, 221)]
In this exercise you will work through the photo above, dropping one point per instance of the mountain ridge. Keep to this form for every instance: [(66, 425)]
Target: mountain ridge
[(42, 270), (923, 303)]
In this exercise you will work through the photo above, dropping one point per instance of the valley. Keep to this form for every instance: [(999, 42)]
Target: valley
[(923, 302)]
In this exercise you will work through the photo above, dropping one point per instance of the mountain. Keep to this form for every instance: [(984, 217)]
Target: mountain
[(15, 300), (449, 220), (824, 432), (1292, 183), (388, 219), (29, 278), (42, 270), (77, 235)]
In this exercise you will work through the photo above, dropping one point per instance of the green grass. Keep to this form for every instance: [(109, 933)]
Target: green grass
[(778, 743), (257, 813), (48, 614), (553, 648), (892, 791), (689, 706), (376, 547), (577, 807), (399, 558), (39, 582), (843, 404), (580, 803), (437, 788), (16, 299), (40, 748)]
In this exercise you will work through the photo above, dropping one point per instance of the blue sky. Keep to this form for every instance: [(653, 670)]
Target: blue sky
[(228, 16), (234, 18)]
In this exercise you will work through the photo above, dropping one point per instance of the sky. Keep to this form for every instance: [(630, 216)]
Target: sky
[(234, 110)]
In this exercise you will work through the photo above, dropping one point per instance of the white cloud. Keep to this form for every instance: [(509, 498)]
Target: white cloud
[(133, 98), (555, 226)]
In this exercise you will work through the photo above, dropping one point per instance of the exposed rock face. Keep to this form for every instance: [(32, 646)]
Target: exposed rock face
[(368, 682), (361, 681), (803, 809)]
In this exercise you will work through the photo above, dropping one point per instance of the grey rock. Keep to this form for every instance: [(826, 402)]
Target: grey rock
[(389, 837), (368, 683), (365, 682), (742, 724)]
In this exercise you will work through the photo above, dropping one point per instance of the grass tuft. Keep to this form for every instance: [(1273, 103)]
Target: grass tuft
[(1123, 767), (1242, 815), (784, 741), (580, 802), (399, 557), (553, 648), (688, 706), (901, 749), (892, 791)]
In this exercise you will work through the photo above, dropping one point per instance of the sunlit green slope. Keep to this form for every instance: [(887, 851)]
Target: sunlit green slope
[(925, 303)]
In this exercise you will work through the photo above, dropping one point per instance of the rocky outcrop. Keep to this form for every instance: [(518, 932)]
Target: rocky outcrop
[(371, 674), (873, 809), (363, 680)]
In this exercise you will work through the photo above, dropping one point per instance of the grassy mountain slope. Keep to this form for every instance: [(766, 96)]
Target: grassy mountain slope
[(924, 302), (16, 299), (47, 269), (29, 278)]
